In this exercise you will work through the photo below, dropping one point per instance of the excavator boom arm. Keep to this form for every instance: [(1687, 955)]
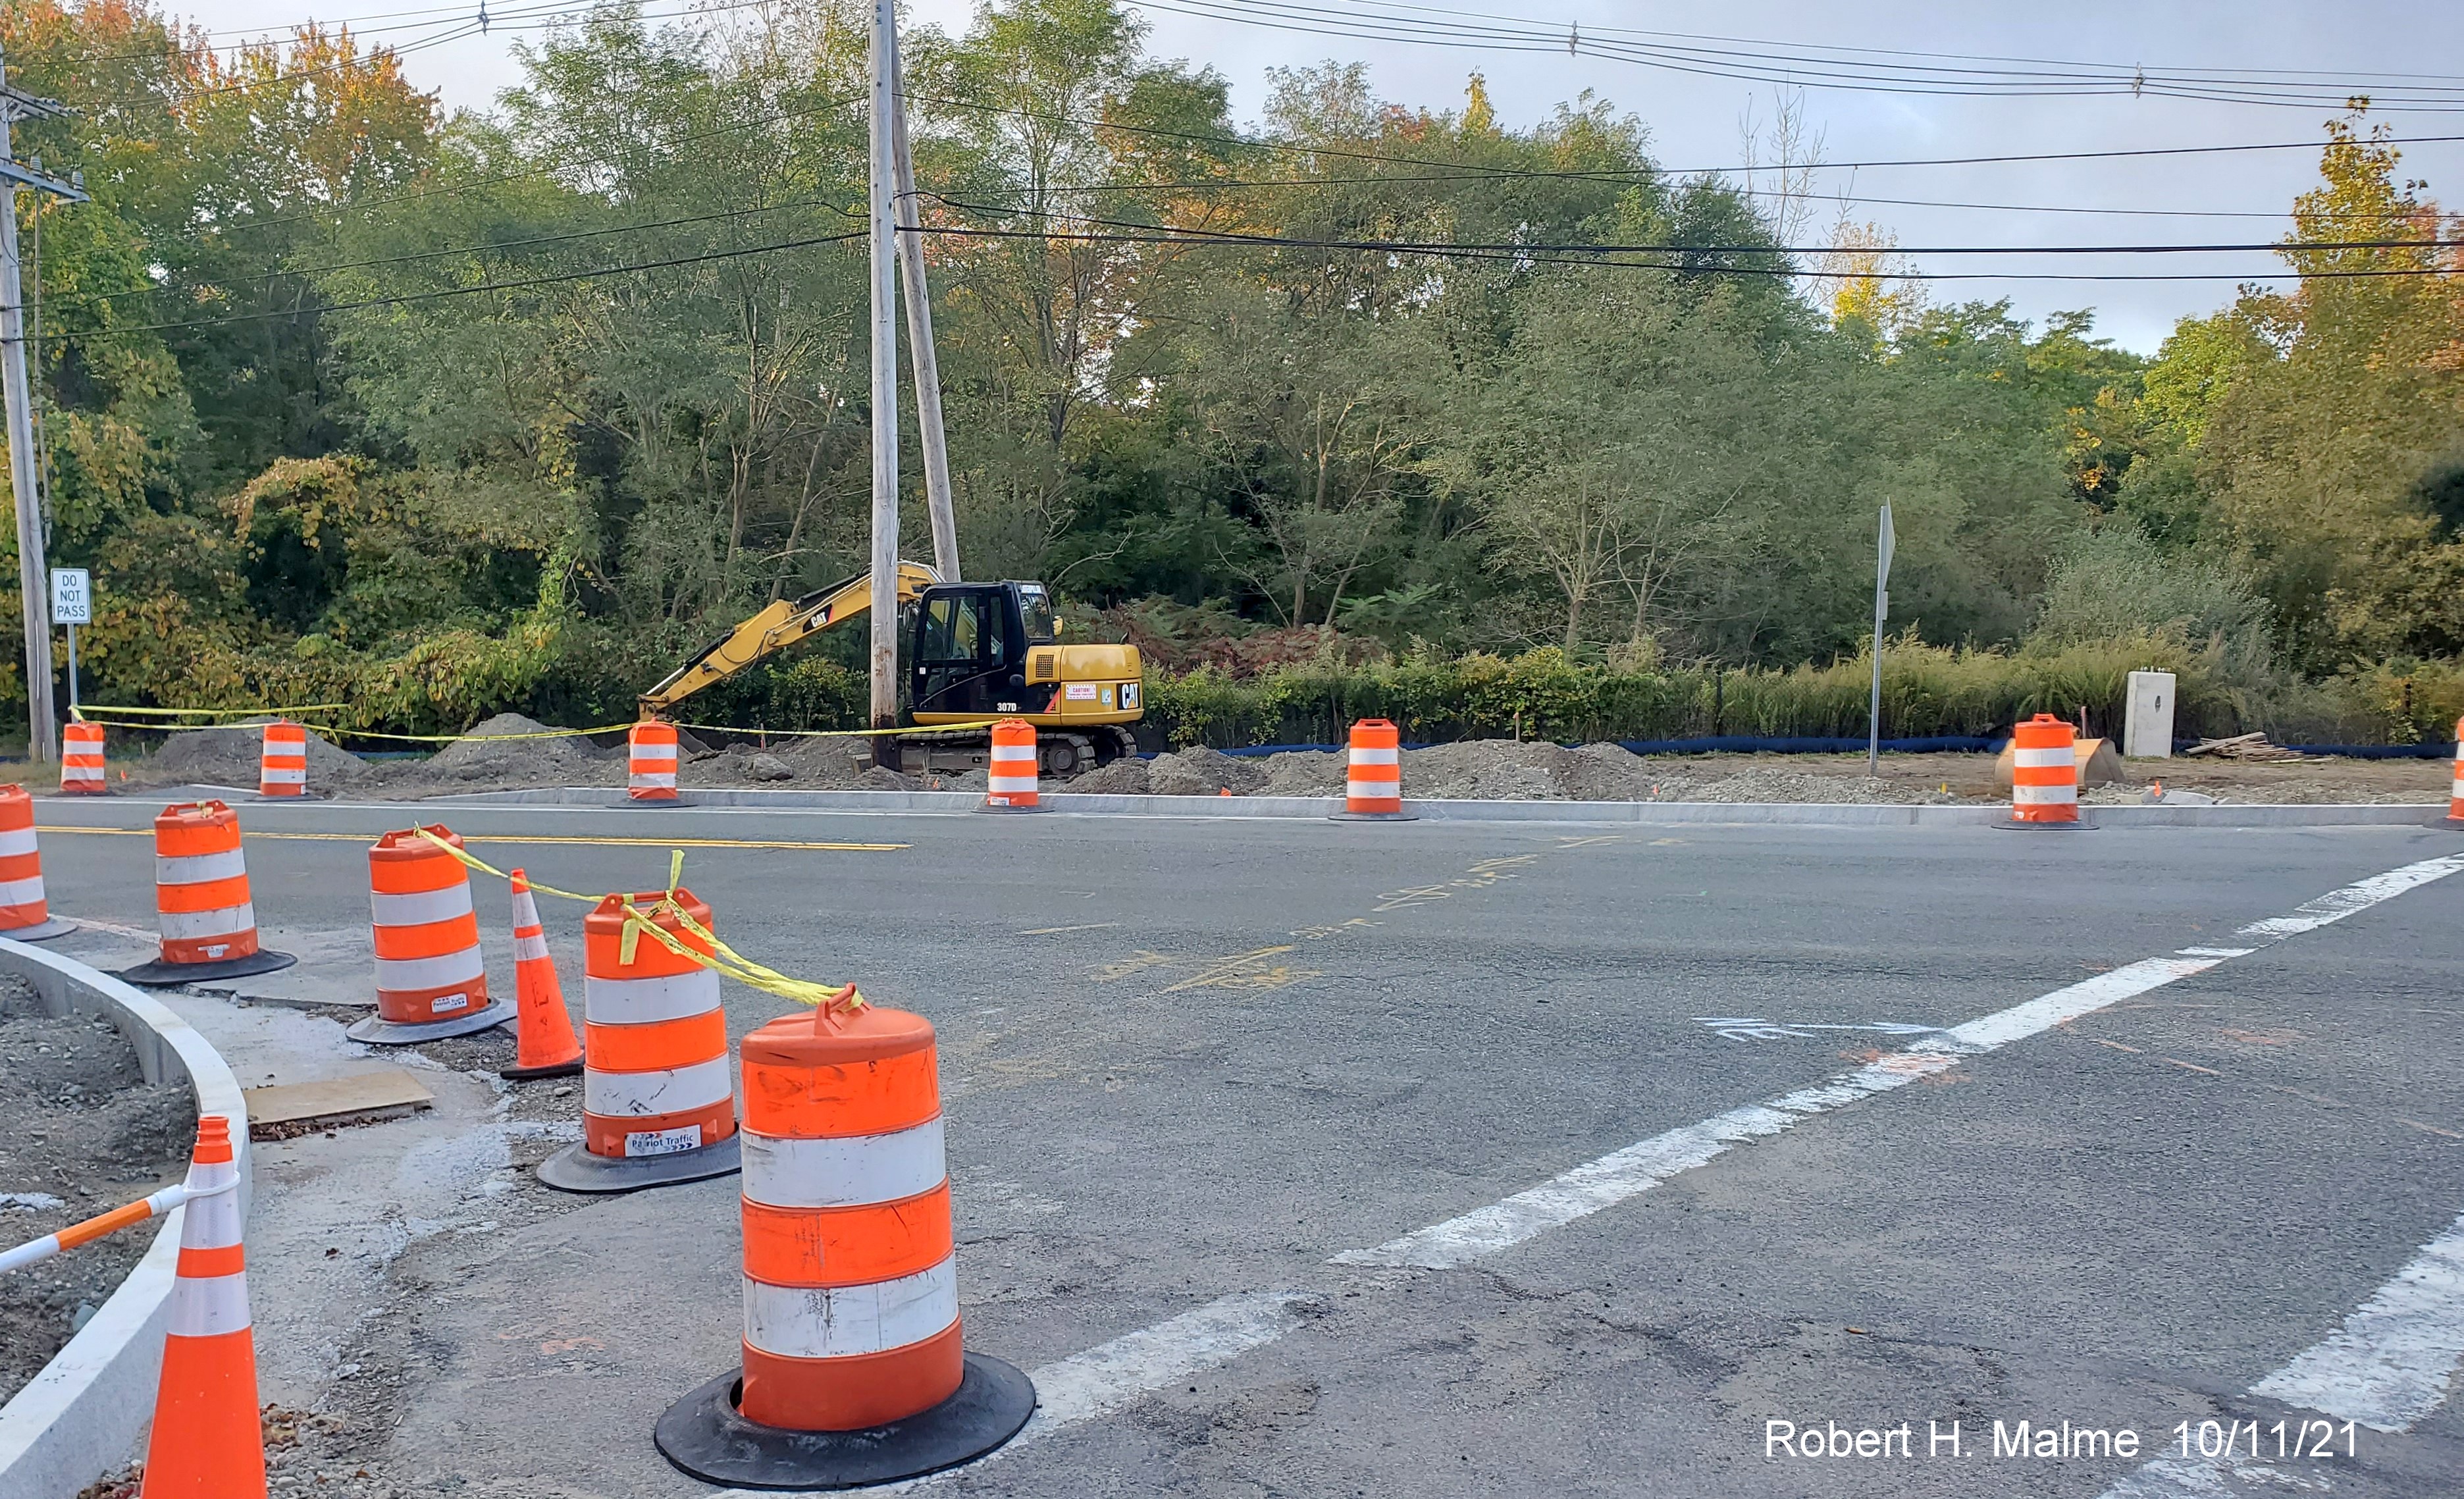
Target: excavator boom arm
[(775, 628)]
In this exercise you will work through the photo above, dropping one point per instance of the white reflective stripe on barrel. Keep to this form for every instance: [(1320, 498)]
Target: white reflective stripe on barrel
[(638, 1002), (209, 1306), (842, 1173), (845, 1321), (2042, 796), (21, 893), (1013, 752), (1010, 783), (196, 869), (277, 776), (647, 778), (420, 906), (187, 926), (402, 974), (670, 1090), (17, 840), (2038, 759), (1375, 757), (1373, 791), (644, 750)]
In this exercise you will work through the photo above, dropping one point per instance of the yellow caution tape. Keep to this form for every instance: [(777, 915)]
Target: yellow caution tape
[(207, 712), (843, 734), (336, 731), (721, 958)]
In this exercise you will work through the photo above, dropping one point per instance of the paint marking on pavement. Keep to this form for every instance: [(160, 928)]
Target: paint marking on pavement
[(1113, 1376), (2386, 1367), (1611, 1178), (1056, 931), (537, 838)]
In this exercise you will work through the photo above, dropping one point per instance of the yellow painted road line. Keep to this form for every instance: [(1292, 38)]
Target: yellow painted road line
[(542, 838), (1056, 931)]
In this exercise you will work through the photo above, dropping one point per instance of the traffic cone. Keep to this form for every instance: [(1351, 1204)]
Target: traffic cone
[(207, 1443), (2455, 790), (2044, 775), (201, 900), (1009, 778), (431, 978), (543, 1034), (82, 766), (282, 762), (25, 911), (651, 764), (855, 1367), (1372, 784)]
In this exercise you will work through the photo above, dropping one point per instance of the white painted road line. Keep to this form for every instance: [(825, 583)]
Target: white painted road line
[(2391, 1364), (1614, 1178), (1113, 1376)]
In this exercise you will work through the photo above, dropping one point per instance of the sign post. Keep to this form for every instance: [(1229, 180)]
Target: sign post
[(1881, 608), (72, 606)]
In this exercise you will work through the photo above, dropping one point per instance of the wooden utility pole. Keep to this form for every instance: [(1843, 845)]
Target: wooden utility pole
[(884, 175), (920, 343), (34, 577)]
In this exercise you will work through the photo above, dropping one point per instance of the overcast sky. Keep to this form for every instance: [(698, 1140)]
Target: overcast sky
[(1694, 120)]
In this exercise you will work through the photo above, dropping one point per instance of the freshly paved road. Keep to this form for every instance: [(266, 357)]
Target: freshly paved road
[(1184, 1059)]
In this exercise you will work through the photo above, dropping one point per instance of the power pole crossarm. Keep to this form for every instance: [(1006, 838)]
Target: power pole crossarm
[(33, 576)]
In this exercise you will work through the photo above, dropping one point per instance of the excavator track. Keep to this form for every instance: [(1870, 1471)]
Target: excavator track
[(1059, 753)]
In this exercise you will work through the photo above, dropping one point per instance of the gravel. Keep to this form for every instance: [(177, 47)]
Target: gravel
[(85, 1135), (229, 757)]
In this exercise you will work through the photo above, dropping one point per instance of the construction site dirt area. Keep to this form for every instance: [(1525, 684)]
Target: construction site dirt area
[(84, 1134), (511, 752)]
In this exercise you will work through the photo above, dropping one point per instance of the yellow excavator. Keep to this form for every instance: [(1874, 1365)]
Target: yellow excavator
[(974, 650)]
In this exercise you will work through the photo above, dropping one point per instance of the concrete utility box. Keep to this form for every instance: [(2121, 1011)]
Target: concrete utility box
[(2147, 728)]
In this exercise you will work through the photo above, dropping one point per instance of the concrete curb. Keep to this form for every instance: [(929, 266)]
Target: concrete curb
[(81, 1416), (1802, 814)]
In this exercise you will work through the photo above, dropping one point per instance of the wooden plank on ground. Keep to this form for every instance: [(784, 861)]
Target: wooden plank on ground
[(391, 1090)]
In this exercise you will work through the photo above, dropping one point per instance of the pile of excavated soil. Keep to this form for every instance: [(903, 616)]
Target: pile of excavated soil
[(84, 1134), (497, 753), (1505, 770), (229, 757)]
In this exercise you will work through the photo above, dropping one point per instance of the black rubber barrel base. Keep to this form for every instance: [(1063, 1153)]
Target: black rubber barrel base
[(1373, 817), (647, 804), (378, 1031), (996, 806), (159, 975), (524, 1074), (703, 1435), (2012, 824), (574, 1169), (260, 798), (42, 931)]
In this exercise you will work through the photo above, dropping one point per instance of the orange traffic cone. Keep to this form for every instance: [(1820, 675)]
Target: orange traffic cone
[(207, 1443), (543, 1034)]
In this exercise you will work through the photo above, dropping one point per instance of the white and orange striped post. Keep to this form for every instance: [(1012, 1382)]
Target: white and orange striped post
[(201, 899), (207, 1443), (81, 767), (432, 978), (1372, 777), (2455, 788), (25, 910), (851, 1275), (1009, 778), (282, 761), (651, 762), (2044, 774), (658, 1100)]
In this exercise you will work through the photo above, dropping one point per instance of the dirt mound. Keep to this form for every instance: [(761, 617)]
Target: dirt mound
[(1123, 776), (1201, 771), (86, 1134), (227, 757), (498, 753)]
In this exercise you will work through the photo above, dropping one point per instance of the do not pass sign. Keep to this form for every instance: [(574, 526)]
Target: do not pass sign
[(72, 597)]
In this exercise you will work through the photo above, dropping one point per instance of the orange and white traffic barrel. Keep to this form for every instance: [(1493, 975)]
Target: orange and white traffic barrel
[(1009, 777), (1372, 777), (658, 1097), (2044, 774), (25, 911), (201, 899), (81, 768), (431, 978), (207, 1439), (856, 1368), (2455, 789), (543, 1044), (282, 762), (651, 769)]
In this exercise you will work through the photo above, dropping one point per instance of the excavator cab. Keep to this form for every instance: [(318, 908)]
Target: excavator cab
[(968, 646)]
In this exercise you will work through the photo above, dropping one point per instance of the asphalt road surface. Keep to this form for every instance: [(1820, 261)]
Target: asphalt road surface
[(1233, 1104)]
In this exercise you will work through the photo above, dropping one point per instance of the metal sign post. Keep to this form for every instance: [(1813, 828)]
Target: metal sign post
[(1882, 608), (72, 606)]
